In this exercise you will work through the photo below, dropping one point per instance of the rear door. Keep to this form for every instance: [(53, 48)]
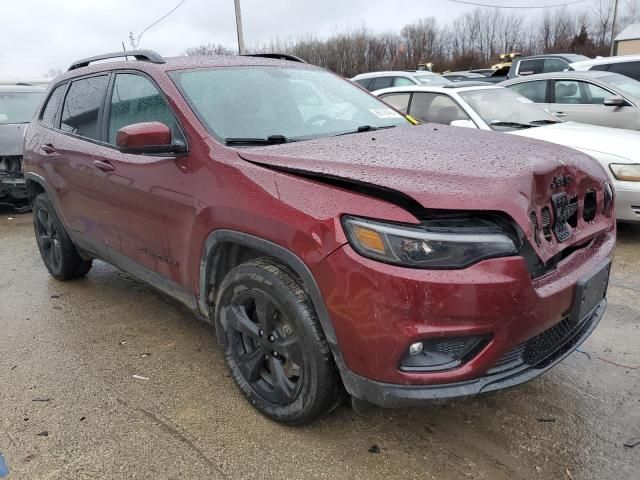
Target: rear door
[(583, 102), (147, 212), (68, 149)]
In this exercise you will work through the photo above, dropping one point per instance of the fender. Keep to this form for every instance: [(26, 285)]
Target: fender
[(285, 256)]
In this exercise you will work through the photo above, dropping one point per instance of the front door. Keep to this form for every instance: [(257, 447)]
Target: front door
[(583, 102), (146, 210)]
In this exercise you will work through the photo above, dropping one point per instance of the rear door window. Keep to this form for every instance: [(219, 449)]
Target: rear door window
[(630, 69), (399, 101), (535, 91), (365, 83), (555, 65), (382, 82), (50, 111), (531, 67), (82, 106), (135, 99), (436, 108)]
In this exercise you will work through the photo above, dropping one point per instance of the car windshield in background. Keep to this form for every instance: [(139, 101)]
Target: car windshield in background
[(503, 109), (627, 85), (432, 79), (281, 104), (18, 107), (572, 58)]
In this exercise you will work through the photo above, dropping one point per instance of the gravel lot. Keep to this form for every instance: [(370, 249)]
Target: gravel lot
[(70, 407)]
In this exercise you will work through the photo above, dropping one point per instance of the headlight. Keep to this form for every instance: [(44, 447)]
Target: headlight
[(626, 172), (436, 244)]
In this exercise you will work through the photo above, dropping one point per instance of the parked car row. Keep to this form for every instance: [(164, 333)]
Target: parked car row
[(334, 245), (502, 110)]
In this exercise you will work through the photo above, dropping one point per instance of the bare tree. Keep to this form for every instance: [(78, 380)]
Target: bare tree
[(209, 49), (54, 72)]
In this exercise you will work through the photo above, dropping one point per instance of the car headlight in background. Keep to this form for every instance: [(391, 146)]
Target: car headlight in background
[(626, 172), (451, 243)]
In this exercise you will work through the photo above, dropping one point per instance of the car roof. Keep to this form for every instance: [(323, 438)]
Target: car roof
[(605, 61), (183, 63), (548, 55), (586, 75), (21, 88), (398, 73), (444, 89)]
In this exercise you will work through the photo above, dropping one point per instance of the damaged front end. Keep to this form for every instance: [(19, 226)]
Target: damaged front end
[(13, 191)]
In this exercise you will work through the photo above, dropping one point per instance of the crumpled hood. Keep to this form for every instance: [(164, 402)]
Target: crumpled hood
[(445, 167), (614, 141), (12, 139)]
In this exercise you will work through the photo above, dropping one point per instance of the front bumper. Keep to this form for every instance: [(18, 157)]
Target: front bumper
[(510, 371), (378, 310), (628, 204), (13, 192)]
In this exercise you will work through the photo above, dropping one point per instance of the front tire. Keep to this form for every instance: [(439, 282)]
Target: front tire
[(58, 252), (273, 343)]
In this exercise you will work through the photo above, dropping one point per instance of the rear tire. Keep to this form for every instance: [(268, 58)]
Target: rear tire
[(58, 252), (273, 343)]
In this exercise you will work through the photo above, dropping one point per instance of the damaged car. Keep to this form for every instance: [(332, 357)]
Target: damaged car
[(335, 247), (18, 103)]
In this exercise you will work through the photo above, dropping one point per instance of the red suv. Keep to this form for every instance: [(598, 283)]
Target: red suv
[(333, 245)]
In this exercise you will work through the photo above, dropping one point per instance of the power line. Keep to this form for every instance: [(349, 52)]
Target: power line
[(135, 43), (514, 7)]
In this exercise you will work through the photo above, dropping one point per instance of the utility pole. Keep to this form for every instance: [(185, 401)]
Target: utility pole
[(239, 28), (613, 25)]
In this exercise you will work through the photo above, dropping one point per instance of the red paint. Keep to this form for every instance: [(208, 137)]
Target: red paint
[(170, 204), (143, 135)]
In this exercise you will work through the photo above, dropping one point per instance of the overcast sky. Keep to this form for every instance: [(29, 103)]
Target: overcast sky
[(38, 34)]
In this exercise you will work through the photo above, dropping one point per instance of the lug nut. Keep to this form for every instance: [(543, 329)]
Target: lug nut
[(261, 333), (275, 354), (272, 338)]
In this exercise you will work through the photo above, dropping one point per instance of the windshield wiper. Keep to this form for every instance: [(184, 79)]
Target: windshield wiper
[(366, 128), (544, 122), (498, 123), (270, 140)]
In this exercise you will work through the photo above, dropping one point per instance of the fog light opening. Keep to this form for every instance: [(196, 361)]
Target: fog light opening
[(440, 354)]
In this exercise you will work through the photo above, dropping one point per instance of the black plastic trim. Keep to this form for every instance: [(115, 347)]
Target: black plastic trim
[(140, 55), (288, 258), (394, 396)]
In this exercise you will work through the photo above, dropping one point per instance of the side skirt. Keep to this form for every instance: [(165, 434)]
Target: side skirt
[(98, 250)]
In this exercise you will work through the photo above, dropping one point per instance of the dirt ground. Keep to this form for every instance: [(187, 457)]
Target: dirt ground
[(70, 407)]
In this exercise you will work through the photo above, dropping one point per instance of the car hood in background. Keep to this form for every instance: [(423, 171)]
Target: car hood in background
[(445, 167), (612, 141), (12, 139)]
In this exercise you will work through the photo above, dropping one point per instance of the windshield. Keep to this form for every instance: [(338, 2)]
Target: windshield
[(503, 109), (432, 79), (627, 85), (281, 102), (18, 107)]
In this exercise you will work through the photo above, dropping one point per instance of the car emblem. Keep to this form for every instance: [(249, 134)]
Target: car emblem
[(563, 211), (561, 181)]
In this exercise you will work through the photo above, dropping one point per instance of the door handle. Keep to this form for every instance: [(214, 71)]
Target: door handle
[(559, 114), (48, 148), (103, 165)]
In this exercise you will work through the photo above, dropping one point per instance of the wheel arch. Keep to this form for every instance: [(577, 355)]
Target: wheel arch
[(257, 246)]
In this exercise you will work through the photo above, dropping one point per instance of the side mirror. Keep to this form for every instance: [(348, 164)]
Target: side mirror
[(615, 101), (146, 137), (463, 123)]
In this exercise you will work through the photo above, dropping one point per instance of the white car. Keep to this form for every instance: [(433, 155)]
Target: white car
[(379, 80), (628, 65), (489, 107)]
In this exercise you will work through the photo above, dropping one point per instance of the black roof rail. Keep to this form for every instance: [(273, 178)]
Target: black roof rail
[(141, 55), (276, 56)]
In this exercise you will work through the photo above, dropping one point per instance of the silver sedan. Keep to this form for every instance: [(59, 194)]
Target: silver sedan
[(593, 97)]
